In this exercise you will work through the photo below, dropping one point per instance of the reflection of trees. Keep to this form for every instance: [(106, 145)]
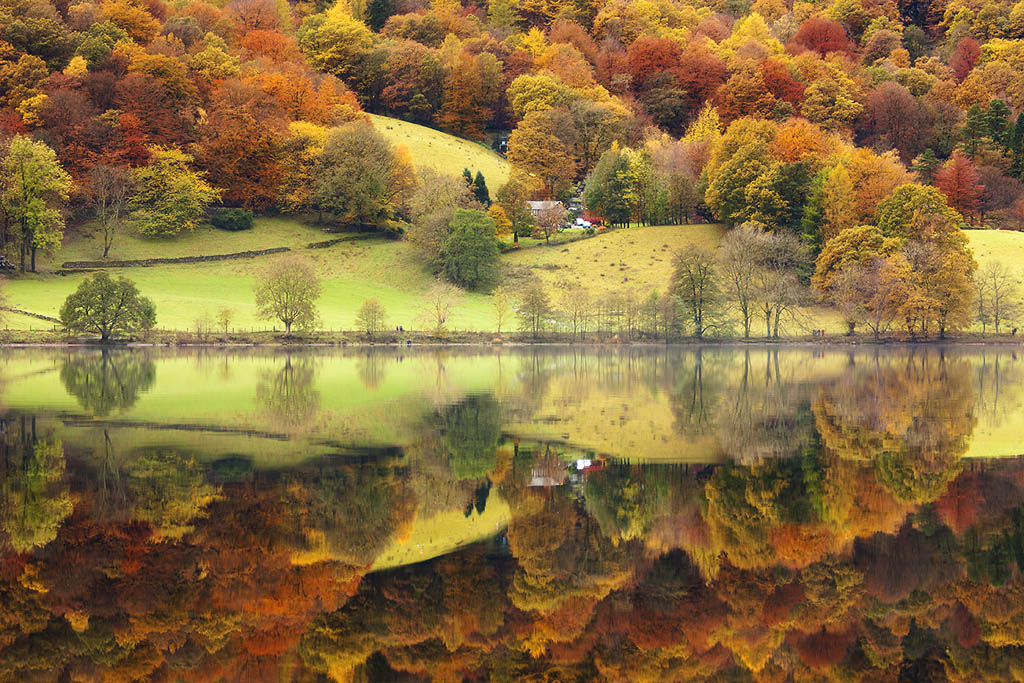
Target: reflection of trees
[(371, 369), (470, 432), (169, 490), (911, 416), (108, 381), (749, 404), (288, 396), (34, 498), (565, 563), (352, 512)]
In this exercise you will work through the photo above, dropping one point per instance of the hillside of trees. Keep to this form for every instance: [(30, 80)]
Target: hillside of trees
[(803, 119)]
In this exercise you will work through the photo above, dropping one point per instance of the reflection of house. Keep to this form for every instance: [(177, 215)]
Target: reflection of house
[(537, 206), (550, 471)]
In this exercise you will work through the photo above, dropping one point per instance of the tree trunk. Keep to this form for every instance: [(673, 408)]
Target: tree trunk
[(33, 258), (850, 327)]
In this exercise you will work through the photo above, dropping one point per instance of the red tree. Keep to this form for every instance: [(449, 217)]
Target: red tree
[(822, 35), (650, 56), (960, 182), (964, 56)]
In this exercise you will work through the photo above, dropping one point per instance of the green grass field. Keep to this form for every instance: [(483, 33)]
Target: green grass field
[(352, 272), (442, 152), (85, 242), (636, 259)]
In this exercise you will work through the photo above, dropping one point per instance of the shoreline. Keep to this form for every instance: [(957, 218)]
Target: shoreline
[(33, 339)]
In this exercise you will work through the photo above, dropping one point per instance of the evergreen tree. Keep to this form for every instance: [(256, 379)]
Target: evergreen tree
[(925, 166), (1017, 146), (814, 213), (483, 195), (974, 131), (998, 119), (377, 13)]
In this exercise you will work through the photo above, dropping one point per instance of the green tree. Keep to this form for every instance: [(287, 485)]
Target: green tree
[(371, 318), (997, 120), (727, 189), (288, 292), (33, 190), (470, 250), (926, 165), (107, 307), (974, 130), (169, 196), (607, 186), (360, 178), (480, 191), (1016, 145)]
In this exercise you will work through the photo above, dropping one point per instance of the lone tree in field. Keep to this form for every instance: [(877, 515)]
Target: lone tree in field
[(695, 281), (288, 292), (441, 301), (107, 307), (371, 318)]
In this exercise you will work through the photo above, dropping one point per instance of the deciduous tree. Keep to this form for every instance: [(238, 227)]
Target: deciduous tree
[(288, 292), (33, 189), (107, 307), (169, 197)]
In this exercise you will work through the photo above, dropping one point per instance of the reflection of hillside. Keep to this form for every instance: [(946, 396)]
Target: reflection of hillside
[(684, 405), (652, 404)]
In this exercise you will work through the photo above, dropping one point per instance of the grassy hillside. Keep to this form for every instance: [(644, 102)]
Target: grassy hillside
[(637, 259), (352, 271), (442, 152)]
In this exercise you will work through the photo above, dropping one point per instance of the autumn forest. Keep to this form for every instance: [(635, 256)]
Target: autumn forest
[(858, 156)]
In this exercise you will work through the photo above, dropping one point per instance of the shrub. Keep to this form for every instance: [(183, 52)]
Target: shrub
[(231, 219)]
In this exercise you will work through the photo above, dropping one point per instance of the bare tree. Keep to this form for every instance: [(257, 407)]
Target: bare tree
[(695, 281), (575, 303), (440, 303), (779, 291), (224, 317), (740, 256), (502, 301), (534, 309), (109, 190), (997, 293)]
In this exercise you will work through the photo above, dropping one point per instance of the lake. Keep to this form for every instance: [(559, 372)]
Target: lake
[(726, 512)]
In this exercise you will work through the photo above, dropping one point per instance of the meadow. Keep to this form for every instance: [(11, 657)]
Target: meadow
[(635, 259), (443, 152)]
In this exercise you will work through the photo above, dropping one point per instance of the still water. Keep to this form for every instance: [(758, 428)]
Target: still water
[(643, 514)]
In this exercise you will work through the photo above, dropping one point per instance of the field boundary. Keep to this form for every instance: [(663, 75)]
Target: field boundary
[(145, 263), (38, 316)]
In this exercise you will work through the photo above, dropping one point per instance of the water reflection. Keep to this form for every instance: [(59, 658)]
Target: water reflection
[(660, 514), (107, 381)]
